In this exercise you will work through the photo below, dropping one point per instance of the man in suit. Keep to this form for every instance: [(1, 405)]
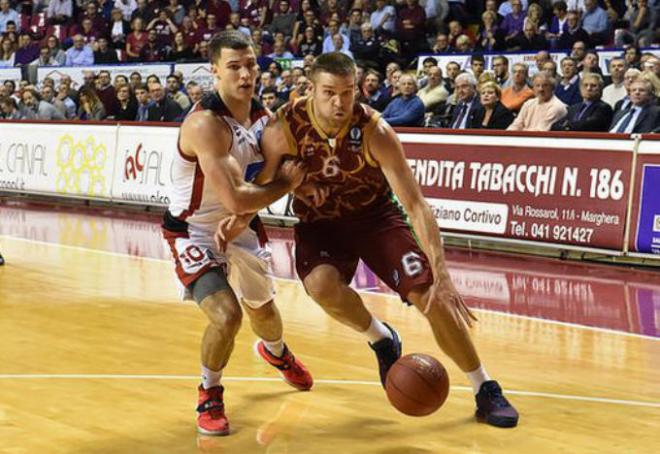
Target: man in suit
[(163, 108), (465, 89), (630, 76), (643, 114), (592, 114)]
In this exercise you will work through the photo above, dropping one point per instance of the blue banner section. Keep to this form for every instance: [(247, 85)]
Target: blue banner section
[(648, 228)]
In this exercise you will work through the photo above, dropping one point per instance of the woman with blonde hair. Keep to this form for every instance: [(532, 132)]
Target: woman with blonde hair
[(491, 114)]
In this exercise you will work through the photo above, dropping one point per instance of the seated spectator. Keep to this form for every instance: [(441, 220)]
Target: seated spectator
[(165, 28), (591, 114), (280, 50), (152, 51), (453, 69), (491, 5), (427, 64), (119, 29), (573, 32), (535, 15), (87, 30), (616, 90), (27, 50), (126, 104), (441, 45), (410, 28), (56, 51), (540, 113), (383, 18), (527, 40), (338, 42), (467, 101), (285, 85), (144, 102), (643, 115), (309, 43), (283, 19), (406, 109), (64, 103), (506, 7), (7, 14), (366, 49), (375, 97), (578, 52), (105, 91), (79, 54), (540, 58), (595, 22), (590, 63), (34, 108), (191, 34), (513, 22), (59, 11), (568, 89), (477, 65), (633, 56), (177, 12), (643, 21), (195, 92), (491, 114), (557, 23), (491, 37), (91, 13), (136, 40), (126, 7), (180, 51), (104, 54), (328, 44), (7, 53), (514, 96), (551, 68), (9, 110), (45, 59), (501, 70), (434, 93), (270, 100), (174, 91), (163, 108), (302, 88)]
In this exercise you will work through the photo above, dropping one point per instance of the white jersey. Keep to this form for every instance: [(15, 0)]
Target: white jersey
[(192, 200)]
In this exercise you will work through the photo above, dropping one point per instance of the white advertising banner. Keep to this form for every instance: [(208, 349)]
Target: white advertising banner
[(197, 72), (143, 164), (77, 72), (13, 74), (65, 160)]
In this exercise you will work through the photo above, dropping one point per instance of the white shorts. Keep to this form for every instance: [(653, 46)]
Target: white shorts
[(246, 264)]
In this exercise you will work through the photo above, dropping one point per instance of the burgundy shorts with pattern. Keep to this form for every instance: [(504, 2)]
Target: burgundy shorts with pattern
[(380, 237)]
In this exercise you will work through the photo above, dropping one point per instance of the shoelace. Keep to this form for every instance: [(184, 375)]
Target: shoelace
[(496, 396)]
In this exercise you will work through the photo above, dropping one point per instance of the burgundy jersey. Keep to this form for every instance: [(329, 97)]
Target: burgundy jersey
[(343, 163)]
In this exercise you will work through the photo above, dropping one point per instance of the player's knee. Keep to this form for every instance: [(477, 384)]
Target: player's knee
[(224, 315), (324, 285)]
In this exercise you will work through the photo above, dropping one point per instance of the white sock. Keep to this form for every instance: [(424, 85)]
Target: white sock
[(477, 377), (275, 347), (377, 331), (210, 378)]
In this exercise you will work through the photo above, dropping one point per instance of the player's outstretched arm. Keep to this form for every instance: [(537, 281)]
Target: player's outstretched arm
[(386, 148), (209, 139)]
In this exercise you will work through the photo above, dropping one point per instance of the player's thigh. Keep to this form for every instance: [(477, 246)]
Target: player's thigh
[(321, 249), (394, 255)]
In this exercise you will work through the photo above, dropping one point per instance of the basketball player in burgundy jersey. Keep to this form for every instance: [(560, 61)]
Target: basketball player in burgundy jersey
[(355, 164), (218, 149)]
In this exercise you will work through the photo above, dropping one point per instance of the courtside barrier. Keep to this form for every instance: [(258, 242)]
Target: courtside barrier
[(566, 190)]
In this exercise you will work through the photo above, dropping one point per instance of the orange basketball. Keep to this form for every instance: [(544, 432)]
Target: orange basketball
[(417, 384)]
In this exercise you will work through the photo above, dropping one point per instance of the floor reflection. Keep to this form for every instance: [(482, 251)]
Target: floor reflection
[(616, 298)]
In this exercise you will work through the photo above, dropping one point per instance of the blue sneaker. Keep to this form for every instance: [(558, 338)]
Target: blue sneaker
[(388, 351), (493, 408)]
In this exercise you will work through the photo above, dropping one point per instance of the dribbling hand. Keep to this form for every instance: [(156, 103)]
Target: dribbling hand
[(443, 292)]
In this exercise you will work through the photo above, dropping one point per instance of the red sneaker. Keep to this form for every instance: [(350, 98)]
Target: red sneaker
[(211, 419), (292, 370)]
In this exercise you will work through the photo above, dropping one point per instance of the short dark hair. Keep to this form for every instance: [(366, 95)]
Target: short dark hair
[(477, 57), (334, 63), (141, 86), (228, 39), (267, 90), (430, 60)]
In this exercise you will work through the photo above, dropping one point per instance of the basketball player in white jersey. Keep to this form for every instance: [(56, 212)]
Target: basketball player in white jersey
[(218, 150)]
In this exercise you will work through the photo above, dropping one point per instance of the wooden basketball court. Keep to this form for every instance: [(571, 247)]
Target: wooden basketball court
[(98, 356)]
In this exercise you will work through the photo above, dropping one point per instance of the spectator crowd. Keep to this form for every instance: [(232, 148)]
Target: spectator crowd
[(384, 38)]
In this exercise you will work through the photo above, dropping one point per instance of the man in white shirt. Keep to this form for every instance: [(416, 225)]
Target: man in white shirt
[(539, 113), (6, 15), (616, 90)]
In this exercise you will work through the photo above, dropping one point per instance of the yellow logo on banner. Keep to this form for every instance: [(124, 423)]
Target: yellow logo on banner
[(81, 166)]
